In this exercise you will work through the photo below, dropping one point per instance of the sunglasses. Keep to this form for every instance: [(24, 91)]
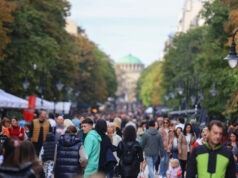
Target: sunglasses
[(165, 122)]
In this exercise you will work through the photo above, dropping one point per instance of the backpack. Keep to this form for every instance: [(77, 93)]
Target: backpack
[(3, 138), (129, 154)]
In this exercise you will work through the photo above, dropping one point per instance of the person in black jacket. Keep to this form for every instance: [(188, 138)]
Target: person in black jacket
[(105, 166), (47, 154), (71, 157), (12, 165), (130, 153)]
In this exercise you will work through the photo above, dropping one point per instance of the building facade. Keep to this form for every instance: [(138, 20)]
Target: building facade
[(128, 70), (72, 28)]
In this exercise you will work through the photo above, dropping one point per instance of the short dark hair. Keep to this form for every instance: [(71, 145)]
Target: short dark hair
[(151, 123), (181, 120), (87, 121), (71, 130), (217, 123)]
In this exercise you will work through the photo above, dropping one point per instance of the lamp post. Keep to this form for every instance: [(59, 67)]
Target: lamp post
[(213, 91), (167, 97), (232, 57), (59, 86), (180, 92), (26, 83)]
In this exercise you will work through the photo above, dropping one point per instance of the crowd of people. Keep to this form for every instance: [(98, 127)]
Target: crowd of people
[(123, 145)]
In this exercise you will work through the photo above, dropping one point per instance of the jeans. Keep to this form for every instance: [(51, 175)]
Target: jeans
[(175, 154), (150, 163), (164, 164)]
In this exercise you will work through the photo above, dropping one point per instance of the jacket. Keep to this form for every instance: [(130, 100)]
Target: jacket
[(24, 171), (152, 143), (167, 139), (209, 163), (133, 169), (36, 127), (182, 146), (67, 161), (104, 146), (49, 147), (92, 149), (17, 132)]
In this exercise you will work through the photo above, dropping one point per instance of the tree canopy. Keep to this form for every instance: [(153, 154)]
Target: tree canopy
[(195, 62), (33, 33)]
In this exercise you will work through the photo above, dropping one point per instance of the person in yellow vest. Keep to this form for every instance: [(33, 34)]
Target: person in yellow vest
[(38, 131)]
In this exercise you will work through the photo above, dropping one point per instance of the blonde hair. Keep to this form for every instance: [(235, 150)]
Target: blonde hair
[(175, 161), (67, 123)]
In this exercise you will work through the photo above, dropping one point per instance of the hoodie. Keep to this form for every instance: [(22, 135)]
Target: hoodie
[(92, 149), (152, 143)]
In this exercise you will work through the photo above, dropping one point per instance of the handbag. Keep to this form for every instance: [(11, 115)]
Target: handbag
[(111, 161)]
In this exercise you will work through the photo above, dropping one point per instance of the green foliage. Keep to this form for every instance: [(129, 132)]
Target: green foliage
[(148, 86), (37, 36), (195, 61)]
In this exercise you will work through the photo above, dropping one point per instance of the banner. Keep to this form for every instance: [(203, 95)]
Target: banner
[(29, 112)]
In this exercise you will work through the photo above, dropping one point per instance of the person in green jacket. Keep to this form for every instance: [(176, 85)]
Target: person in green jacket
[(212, 160), (91, 146)]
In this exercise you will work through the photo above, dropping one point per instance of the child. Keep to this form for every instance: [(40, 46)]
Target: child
[(47, 154), (27, 131), (175, 170)]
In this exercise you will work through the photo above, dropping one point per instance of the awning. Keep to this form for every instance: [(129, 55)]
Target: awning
[(44, 104), (60, 107), (8, 100)]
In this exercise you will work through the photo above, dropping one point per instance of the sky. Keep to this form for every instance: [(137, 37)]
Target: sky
[(122, 27)]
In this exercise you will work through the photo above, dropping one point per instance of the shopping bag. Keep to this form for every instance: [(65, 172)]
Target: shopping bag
[(141, 175)]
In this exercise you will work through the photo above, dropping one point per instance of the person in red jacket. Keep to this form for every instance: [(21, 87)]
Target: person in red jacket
[(15, 130)]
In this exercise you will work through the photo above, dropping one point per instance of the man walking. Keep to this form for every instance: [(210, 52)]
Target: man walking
[(92, 147), (59, 129), (152, 143), (38, 130), (212, 159)]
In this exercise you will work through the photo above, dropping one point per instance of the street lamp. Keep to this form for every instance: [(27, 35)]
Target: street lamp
[(59, 85), (213, 91), (26, 83), (69, 90), (180, 90), (77, 93), (172, 94), (167, 97), (193, 99), (232, 57)]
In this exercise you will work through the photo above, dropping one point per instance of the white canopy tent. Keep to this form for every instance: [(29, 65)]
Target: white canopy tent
[(60, 107), (8, 100), (44, 104)]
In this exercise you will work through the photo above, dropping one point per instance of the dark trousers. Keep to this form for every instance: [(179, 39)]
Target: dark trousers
[(37, 147), (157, 164), (183, 166)]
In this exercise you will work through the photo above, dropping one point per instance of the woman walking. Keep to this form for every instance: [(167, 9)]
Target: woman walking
[(167, 136), (130, 153), (185, 143), (177, 133)]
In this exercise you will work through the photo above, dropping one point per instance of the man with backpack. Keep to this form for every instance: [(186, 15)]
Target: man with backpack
[(151, 143)]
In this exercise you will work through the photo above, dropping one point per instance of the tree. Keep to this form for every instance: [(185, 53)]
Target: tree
[(148, 86), (5, 18)]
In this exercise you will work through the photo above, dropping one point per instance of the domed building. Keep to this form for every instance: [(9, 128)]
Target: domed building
[(128, 70)]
